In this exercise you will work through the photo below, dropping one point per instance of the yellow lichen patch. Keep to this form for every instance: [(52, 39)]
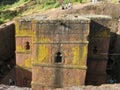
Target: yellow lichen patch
[(76, 53), (16, 25), (42, 53), (20, 65), (20, 30), (43, 39), (79, 54), (77, 82), (102, 34), (114, 1), (19, 48), (40, 39), (84, 55), (28, 63), (37, 71), (24, 32), (42, 50)]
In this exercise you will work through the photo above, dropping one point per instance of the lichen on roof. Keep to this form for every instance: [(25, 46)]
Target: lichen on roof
[(47, 18), (98, 16)]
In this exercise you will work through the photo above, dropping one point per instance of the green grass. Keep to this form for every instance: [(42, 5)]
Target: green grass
[(7, 14), (7, 11), (2, 20), (20, 2), (38, 6), (16, 4)]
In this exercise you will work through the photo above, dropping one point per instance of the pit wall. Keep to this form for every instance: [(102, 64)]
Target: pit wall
[(7, 40), (7, 52), (114, 52), (98, 48)]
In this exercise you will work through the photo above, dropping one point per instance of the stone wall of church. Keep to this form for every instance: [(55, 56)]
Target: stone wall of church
[(60, 52)]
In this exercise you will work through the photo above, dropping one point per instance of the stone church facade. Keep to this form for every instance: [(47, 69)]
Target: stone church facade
[(53, 52)]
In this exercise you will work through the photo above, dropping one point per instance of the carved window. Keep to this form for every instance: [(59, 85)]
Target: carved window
[(58, 57), (27, 45)]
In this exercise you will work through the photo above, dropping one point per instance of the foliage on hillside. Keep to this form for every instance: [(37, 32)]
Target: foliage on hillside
[(5, 13), (14, 8)]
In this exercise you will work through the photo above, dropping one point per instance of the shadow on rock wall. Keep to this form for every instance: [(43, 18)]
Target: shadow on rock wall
[(113, 68), (98, 52), (7, 52), (23, 77)]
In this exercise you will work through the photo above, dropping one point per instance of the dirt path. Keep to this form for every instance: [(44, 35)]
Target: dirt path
[(87, 8), (58, 11)]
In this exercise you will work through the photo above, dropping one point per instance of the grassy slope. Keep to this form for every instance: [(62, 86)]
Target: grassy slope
[(27, 7), (8, 12)]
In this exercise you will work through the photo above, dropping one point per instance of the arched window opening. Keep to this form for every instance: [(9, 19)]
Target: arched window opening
[(27, 46), (58, 57)]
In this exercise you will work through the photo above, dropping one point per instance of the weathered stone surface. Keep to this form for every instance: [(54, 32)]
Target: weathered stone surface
[(98, 49), (67, 35)]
